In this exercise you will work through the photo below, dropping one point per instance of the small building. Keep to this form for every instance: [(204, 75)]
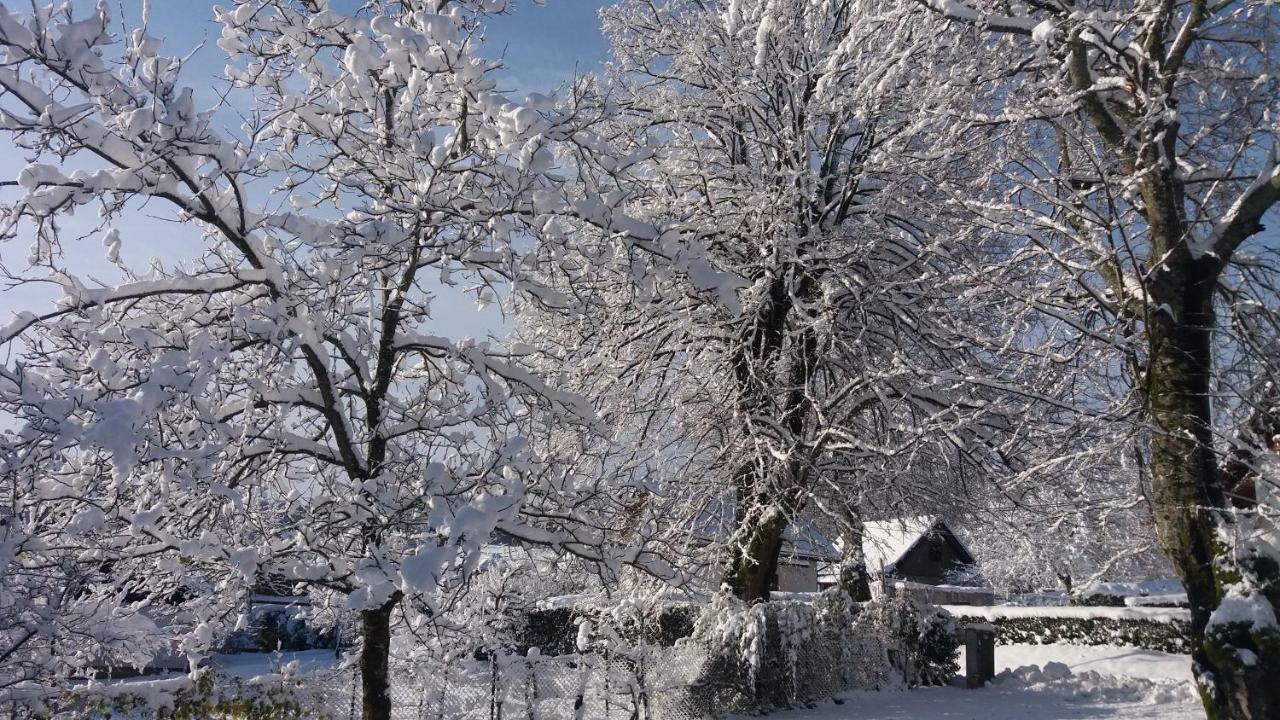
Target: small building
[(920, 557), (805, 553)]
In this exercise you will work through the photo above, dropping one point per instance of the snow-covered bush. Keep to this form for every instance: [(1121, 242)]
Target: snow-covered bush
[(798, 651), (1165, 634), (923, 645)]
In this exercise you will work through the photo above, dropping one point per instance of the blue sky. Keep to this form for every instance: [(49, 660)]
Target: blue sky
[(543, 47)]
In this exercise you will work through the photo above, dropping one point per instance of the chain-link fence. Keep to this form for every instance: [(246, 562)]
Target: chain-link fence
[(687, 681), (745, 660)]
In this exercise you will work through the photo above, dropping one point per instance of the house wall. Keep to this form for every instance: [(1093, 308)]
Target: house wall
[(922, 565), (797, 578)]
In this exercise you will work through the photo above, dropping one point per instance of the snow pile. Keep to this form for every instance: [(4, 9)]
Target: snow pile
[(1058, 679)]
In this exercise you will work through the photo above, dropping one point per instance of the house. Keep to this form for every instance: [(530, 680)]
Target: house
[(805, 552), (920, 557)]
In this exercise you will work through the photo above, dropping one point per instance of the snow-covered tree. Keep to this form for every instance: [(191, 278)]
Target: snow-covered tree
[(784, 143), (1137, 153), (63, 606), (277, 405)]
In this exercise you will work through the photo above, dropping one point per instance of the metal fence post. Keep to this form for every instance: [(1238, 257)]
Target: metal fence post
[(530, 688), (606, 682), (495, 703), (352, 713)]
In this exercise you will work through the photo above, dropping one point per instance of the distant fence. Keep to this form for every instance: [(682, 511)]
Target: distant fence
[(939, 594)]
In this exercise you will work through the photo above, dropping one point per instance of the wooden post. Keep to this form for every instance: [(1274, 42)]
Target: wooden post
[(979, 654)]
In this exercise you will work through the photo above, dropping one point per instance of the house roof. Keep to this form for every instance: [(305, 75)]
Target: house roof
[(885, 542), (803, 540)]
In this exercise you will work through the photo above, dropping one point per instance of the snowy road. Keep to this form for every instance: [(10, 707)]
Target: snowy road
[(1097, 683), (989, 704), (1106, 659)]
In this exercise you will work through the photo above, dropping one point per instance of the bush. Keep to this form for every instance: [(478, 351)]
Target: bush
[(1171, 636), (213, 696), (923, 642), (280, 628), (554, 631), (772, 655)]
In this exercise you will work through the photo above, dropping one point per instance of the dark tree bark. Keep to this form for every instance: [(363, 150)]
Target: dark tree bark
[(754, 566), (375, 655), (854, 578)]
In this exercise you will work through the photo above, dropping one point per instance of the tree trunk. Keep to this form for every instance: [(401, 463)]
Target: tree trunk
[(754, 564), (854, 578), (375, 654), (1188, 496)]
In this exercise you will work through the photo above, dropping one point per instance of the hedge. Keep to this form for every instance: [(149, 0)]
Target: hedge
[(1166, 634), (554, 630)]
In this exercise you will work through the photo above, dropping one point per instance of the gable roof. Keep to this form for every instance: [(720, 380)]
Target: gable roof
[(804, 541), (885, 542)]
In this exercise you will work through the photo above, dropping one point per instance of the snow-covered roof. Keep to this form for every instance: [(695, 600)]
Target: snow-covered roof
[(885, 542), (803, 540)]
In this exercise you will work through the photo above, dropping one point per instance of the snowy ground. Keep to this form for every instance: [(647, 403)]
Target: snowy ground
[(1105, 659), (248, 665), (1069, 682)]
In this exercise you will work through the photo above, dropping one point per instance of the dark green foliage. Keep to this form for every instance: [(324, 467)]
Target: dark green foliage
[(554, 630), (212, 697), (939, 647), (1171, 636)]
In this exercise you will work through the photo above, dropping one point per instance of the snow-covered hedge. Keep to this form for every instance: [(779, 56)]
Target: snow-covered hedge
[(1163, 629)]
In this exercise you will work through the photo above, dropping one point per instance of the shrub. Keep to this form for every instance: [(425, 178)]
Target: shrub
[(213, 696), (1165, 635), (923, 643)]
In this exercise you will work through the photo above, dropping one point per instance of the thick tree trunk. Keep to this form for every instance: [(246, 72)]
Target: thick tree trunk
[(1188, 495), (375, 655), (753, 566), (854, 578)]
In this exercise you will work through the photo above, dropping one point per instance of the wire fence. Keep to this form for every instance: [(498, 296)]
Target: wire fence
[(766, 658), (687, 681)]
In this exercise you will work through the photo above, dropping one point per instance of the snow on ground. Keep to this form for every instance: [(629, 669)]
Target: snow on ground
[(991, 703), (1041, 682), (1036, 682), (1105, 659), (248, 665)]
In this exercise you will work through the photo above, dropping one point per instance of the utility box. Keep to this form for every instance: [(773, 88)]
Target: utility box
[(979, 654)]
